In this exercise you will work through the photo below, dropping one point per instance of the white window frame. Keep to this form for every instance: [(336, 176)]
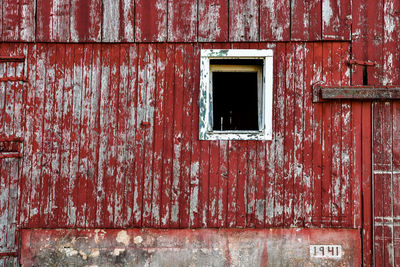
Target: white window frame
[(265, 93)]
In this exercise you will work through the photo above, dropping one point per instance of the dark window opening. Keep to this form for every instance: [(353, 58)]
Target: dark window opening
[(235, 101)]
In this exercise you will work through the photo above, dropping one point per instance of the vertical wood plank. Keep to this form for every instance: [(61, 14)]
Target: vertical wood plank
[(38, 110), (327, 141), (305, 17), (182, 21), (309, 80), (55, 124), (195, 190), (187, 124), (64, 93), (121, 118), (289, 136), (317, 140), (84, 173), (298, 166), (212, 217), (82, 168), (151, 20), (118, 21), (111, 164), (336, 164), (177, 135), (279, 111), (103, 216), (274, 20), (251, 181), (213, 21), (244, 20), (48, 194), (350, 146), (85, 21), (93, 94), (146, 89), (131, 186), (158, 134), (168, 148), (121, 79), (336, 19), (232, 183), (222, 183), (75, 212), (18, 21)]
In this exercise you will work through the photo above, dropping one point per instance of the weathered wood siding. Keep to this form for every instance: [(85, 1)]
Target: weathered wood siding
[(174, 21), (111, 129), (111, 140)]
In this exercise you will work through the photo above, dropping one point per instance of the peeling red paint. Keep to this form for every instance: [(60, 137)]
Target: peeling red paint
[(104, 95)]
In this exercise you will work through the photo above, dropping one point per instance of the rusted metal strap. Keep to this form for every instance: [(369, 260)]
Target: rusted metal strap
[(10, 155), (14, 79), (8, 254), (361, 62), (12, 58), (383, 93)]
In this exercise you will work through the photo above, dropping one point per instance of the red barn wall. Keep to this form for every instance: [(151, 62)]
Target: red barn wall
[(109, 117), (111, 140)]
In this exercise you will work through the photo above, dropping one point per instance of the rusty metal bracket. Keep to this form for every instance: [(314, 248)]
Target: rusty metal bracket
[(14, 79), (361, 62), (377, 93), (12, 58)]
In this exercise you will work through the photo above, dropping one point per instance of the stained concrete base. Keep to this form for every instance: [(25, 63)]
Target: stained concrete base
[(200, 247)]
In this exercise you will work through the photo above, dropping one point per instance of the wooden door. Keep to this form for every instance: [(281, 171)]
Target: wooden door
[(11, 127)]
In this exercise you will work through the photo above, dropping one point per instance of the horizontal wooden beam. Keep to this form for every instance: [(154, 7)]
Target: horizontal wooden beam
[(8, 254), (11, 139), (384, 93), (10, 155)]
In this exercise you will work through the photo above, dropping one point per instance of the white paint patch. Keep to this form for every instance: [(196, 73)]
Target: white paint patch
[(326, 12), (83, 255), (123, 237), (138, 240), (118, 251), (69, 252), (95, 253)]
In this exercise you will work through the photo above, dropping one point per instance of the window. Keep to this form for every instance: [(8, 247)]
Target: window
[(236, 94)]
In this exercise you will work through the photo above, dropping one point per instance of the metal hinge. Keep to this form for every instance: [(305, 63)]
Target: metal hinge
[(12, 58)]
